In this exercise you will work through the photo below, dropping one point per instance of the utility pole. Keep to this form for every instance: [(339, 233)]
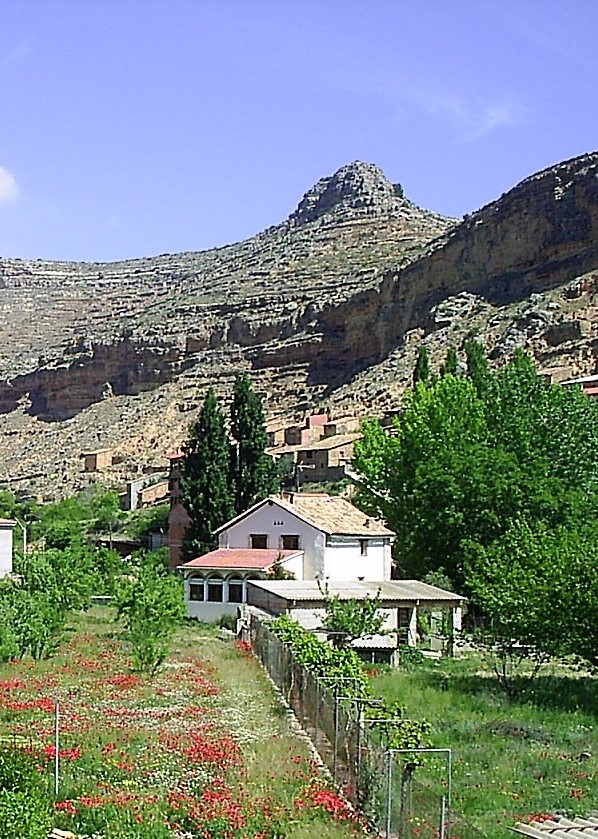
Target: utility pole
[(24, 530)]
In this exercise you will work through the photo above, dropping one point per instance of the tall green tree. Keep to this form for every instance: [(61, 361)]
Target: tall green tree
[(252, 471), (462, 466), (477, 366), (208, 494), (538, 589), (451, 363), (421, 372)]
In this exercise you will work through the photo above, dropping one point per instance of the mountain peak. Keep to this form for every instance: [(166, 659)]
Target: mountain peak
[(354, 190)]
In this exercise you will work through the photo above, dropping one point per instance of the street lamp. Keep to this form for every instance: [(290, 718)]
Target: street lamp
[(299, 467)]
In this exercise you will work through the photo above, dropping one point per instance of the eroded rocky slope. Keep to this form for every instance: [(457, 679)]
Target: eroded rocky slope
[(326, 308)]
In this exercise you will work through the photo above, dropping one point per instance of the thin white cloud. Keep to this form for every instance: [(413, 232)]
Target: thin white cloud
[(9, 188), (472, 119)]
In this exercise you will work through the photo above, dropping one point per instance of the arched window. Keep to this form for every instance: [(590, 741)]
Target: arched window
[(235, 590), (215, 590), (196, 589)]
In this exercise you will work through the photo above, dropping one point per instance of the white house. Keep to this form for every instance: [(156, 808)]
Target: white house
[(6, 529), (317, 537)]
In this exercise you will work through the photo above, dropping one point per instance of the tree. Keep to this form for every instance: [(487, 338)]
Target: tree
[(477, 366), (451, 363), (538, 592), (253, 472), (151, 607), (420, 478), (479, 468), (208, 495), (348, 620), (421, 373)]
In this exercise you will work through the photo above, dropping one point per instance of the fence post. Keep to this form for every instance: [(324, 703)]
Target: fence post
[(449, 804), (317, 720), (442, 816), (388, 794), (56, 748), (358, 783), (336, 725)]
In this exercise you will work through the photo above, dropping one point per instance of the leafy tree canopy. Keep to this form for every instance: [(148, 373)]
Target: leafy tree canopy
[(478, 461)]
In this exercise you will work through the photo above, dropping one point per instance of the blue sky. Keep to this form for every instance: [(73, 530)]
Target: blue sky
[(136, 127)]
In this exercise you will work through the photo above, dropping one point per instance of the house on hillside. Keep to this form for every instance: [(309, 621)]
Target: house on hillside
[(97, 460), (589, 384), (314, 536), (325, 460), (6, 532)]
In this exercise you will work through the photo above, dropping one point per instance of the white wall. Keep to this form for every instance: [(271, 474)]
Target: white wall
[(276, 522), (5, 549), (343, 559)]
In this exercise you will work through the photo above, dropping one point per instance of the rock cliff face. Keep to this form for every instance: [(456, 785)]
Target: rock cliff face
[(540, 235), (350, 191), (331, 304)]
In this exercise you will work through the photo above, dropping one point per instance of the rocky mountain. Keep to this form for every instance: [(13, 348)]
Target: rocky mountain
[(327, 308)]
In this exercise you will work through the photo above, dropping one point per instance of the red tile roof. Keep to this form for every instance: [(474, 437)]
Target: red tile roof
[(252, 559)]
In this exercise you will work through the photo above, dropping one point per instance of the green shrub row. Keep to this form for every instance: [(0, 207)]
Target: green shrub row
[(343, 666)]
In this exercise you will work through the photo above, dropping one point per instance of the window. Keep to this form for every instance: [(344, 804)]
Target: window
[(196, 590), (215, 590), (289, 543), (235, 591), (259, 541), (363, 547)]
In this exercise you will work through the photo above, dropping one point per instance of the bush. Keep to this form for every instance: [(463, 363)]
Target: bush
[(24, 815), (18, 770), (228, 622)]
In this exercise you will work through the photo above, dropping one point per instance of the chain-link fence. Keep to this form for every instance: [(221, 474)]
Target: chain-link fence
[(382, 783)]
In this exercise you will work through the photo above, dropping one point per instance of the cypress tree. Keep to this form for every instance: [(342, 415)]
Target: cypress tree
[(207, 492), (477, 367), (253, 473), (451, 363), (421, 372)]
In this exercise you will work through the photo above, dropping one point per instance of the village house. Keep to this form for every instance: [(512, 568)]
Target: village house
[(145, 491), (311, 536), (588, 384), (325, 460), (311, 430), (6, 535), (97, 460)]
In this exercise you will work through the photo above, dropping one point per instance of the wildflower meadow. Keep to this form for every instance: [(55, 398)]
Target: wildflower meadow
[(201, 749)]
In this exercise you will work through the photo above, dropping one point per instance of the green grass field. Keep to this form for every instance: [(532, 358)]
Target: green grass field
[(512, 757)]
